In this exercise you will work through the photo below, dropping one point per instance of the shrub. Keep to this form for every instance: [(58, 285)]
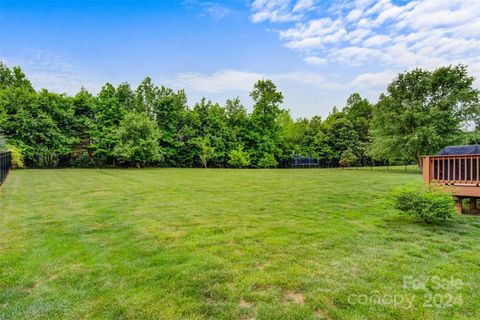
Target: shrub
[(82, 161), (348, 158), (268, 161), (207, 151), (239, 158), (424, 202), (17, 157)]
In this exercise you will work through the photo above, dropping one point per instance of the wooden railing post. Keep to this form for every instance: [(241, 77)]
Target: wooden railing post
[(426, 169)]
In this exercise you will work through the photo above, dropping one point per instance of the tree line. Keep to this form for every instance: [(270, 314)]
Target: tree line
[(420, 112)]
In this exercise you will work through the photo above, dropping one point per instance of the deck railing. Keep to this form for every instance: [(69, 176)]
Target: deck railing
[(5, 165), (462, 170)]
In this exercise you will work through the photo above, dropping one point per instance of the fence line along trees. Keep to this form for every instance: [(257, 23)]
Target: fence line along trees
[(152, 125)]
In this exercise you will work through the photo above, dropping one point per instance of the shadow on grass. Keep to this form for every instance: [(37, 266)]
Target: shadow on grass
[(459, 225), (394, 169)]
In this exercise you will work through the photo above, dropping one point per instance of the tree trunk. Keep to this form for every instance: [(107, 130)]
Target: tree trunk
[(420, 163)]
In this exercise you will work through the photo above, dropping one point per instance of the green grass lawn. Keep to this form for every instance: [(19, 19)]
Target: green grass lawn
[(227, 244)]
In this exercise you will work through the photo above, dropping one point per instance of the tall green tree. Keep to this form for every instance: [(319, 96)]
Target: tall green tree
[(39, 124), (209, 119), (13, 78), (422, 112), (108, 113), (359, 112), (341, 136), (170, 110), (146, 95), (83, 112), (126, 97), (138, 140), (238, 123), (265, 135)]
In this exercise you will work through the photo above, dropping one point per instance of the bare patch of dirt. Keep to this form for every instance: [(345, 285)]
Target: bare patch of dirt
[(320, 314), (296, 297), (244, 304)]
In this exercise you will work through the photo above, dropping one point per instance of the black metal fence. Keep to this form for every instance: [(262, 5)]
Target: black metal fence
[(311, 162), (362, 163), (5, 165)]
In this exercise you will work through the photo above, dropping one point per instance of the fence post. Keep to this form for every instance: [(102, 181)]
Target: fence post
[(5, 164)]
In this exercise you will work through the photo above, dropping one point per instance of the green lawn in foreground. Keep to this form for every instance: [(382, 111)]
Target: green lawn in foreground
[(225, 244)]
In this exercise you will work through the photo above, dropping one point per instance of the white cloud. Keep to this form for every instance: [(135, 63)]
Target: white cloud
[(302, 5), (376, 40), (306, 93), (214, 10), (354, 15), (306, 78), (315, 60), (223, 80), (356, 56), (54, 72), (376, 82), (280, 10), (236, 80), (425, 33)]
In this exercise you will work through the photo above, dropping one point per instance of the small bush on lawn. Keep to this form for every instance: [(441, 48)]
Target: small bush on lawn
[(268, 161), (348, 158), (424, 202), (239, 158), (17, 157)]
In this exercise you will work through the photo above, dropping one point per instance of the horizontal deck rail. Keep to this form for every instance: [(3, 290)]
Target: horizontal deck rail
[(459, 170)]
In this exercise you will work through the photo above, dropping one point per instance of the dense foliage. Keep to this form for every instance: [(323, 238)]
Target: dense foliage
[(17, 157), (3, 144), (239, 158), (424, 202), (154, 126), (348, 158), (138, 140), (422, 112)]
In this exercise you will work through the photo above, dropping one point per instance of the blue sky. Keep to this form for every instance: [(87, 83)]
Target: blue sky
[(317, 52)]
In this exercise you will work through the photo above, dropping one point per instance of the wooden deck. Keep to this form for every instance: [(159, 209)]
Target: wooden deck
[(459, 174)]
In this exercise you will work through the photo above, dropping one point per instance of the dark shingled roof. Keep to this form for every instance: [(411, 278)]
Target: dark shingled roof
[(471, 149)]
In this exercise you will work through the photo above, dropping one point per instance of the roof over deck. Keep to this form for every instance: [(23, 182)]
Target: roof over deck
[(457, 150)]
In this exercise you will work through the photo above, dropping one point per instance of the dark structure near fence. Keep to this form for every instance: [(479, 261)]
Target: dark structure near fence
[(5, 165), (302, 161), (312, 162), (458, 169)]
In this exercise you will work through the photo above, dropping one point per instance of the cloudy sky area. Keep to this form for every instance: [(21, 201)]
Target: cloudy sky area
[(317, 52)]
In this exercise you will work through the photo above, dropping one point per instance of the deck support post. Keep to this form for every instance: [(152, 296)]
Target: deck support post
[(458, 205), (473, 206)]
